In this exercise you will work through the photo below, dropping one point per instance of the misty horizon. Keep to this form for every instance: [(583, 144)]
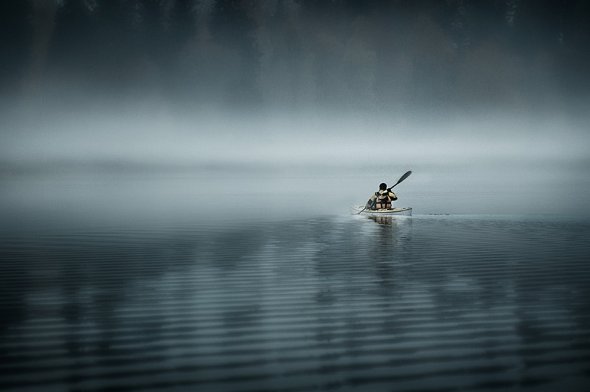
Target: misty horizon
[(165, 136)]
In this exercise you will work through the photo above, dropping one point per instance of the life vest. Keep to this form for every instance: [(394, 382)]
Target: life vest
[(383, 197)]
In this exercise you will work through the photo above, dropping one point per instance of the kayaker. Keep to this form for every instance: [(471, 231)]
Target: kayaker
[(381, 200)]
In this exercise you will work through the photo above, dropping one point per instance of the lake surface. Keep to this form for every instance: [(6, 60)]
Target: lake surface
[(114, 284)]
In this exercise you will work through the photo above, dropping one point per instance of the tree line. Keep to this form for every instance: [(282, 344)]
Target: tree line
[(382, 55)]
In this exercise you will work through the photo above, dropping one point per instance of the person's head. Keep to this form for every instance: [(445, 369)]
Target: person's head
[(382, 186)]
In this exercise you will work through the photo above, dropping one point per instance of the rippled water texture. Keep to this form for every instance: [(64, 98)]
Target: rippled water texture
[(294, 303)]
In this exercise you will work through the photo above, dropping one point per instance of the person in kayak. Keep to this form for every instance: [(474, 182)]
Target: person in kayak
[(381, 200)]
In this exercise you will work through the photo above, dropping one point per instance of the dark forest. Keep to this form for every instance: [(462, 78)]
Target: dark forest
[(377, 56)]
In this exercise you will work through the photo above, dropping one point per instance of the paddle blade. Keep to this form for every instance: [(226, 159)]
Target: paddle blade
[(406, 175)]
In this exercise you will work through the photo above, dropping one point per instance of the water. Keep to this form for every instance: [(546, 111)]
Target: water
[(112, 284)]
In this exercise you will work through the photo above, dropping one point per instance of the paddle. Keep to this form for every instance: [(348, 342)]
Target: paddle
[(406, 175)]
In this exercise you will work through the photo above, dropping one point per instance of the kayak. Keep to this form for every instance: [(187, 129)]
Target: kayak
[(394, 211)]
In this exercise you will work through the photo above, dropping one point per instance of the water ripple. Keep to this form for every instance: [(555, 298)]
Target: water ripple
[(325, 303)]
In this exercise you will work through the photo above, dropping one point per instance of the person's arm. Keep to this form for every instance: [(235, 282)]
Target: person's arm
[(392, 195), (371, 201)]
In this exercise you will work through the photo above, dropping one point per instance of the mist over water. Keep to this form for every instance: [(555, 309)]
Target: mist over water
[(494, 163)]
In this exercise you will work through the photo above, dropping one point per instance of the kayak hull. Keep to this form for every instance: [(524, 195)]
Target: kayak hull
[(405, 211)]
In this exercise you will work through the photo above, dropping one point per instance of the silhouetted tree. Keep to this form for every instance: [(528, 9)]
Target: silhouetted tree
[(234, 28), (15, 43)]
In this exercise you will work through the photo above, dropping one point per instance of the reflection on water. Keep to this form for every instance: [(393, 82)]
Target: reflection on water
[(328, 302), (383, 220)]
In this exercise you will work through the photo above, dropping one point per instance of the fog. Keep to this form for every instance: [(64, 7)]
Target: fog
[(160, 136), (488, 96)]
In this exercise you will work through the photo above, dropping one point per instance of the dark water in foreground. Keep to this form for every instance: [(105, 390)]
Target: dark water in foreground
[(296, 303)]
